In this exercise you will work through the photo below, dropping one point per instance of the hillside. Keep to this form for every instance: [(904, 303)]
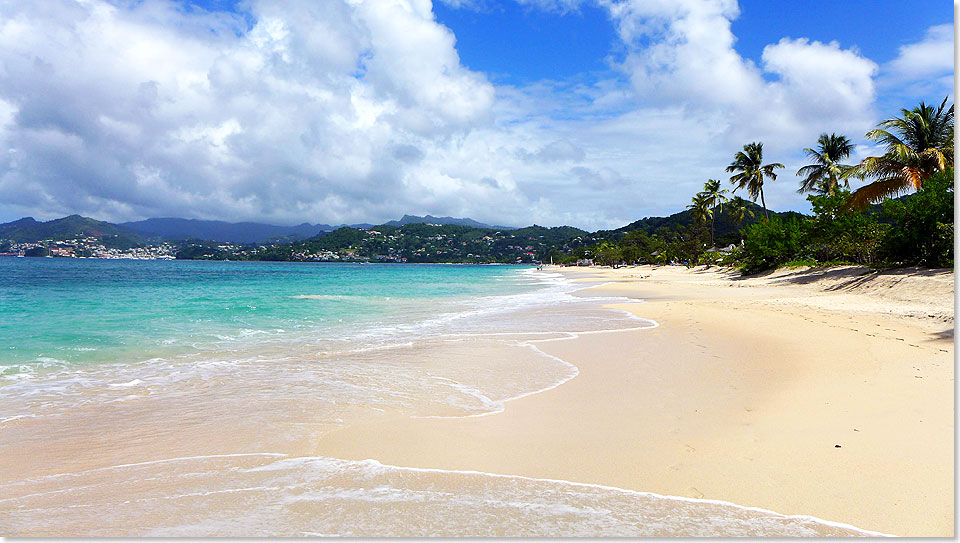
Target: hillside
[(172, 229), (430, 219), (419, 242), (723, 224), (417, 239), (29, 229)]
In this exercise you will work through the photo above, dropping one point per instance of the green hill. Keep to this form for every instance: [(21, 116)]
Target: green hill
[(723, 224), (29, 230)]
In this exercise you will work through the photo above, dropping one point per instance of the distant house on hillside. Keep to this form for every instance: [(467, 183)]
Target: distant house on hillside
[(725, 250)]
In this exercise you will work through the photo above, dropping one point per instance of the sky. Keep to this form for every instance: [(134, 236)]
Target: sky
[(589, 113)]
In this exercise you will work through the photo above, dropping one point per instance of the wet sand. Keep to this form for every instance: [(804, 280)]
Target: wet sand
[(743, 394)]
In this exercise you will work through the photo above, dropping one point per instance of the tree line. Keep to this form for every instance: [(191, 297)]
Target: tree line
[(872, 225)]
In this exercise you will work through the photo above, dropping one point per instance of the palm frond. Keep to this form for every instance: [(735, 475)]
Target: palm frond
[(877, 191)]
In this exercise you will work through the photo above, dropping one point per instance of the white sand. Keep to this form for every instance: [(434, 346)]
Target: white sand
[(741, 395)]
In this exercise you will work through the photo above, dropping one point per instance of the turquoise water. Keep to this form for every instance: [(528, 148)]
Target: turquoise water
[(173, 398), (95, 332), (69, 311)]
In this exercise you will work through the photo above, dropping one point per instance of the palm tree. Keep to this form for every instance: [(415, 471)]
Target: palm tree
[(918, 145), (749, 163), (701, 208), (739, 210), (826, 172), (717, 197)]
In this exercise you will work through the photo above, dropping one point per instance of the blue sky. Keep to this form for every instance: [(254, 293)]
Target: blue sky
[(519, 44), (585, 112)]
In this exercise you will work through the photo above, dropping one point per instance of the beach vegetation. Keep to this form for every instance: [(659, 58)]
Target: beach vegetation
[(921, 227), (716, 196), (919, 144), (771, 243), (37, 251), (740, 210), (701, 208), (608, 254), (837, 233), (825, 174), (750, 172)]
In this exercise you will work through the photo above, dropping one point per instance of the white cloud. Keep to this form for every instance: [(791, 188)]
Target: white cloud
[(684, 49), (820, 85), (924, 68), (130, 112), (684, 52), (360, 111), (931, 57)]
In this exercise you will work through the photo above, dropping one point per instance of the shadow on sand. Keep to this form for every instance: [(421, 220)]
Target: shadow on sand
[(848, 277)]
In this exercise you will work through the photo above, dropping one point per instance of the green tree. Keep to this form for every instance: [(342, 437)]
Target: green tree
[(768, 244), (921, 229), (608, 254), (752, 172), (837, 233), (716, 196), (701, 209), (637, 246), (739, 210), (691, 245), (919, 144), (826, 172)]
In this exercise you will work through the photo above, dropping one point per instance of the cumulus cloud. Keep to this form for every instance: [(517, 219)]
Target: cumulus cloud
[(360, 111), (684, 51), (924, 67), (557, 151), (933, 56), (129, 112)]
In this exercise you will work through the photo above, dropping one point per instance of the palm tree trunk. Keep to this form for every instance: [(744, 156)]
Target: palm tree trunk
[(766, 215), (713, 221)]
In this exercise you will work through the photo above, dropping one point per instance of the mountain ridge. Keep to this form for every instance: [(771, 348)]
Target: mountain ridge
[(28, 229), (430, 219)]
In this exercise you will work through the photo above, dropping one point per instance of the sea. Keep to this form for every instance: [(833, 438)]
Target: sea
[(185, 398)]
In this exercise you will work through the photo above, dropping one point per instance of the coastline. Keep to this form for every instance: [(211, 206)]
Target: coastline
[(741, 395), (701, 405)]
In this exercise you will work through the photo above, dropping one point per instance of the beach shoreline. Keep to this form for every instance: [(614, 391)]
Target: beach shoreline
[(640, 401), (742, 394)]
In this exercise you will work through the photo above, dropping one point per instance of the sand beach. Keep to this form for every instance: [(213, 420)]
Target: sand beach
[(640, 401), (808, 392)]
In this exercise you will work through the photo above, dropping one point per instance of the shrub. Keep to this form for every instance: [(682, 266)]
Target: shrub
[(921, 225), (838, 233), (767, 244), (608, 254)]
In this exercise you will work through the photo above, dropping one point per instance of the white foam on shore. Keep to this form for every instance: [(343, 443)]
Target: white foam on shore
[(369, 498), (540, 313), (138, 464), (573, 370), (166, 372), (15, 417), (555, 279), (128, 384), (376, 465)]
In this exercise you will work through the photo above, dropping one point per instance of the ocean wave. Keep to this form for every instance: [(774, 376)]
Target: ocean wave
[(274, 494), (382, 363)]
